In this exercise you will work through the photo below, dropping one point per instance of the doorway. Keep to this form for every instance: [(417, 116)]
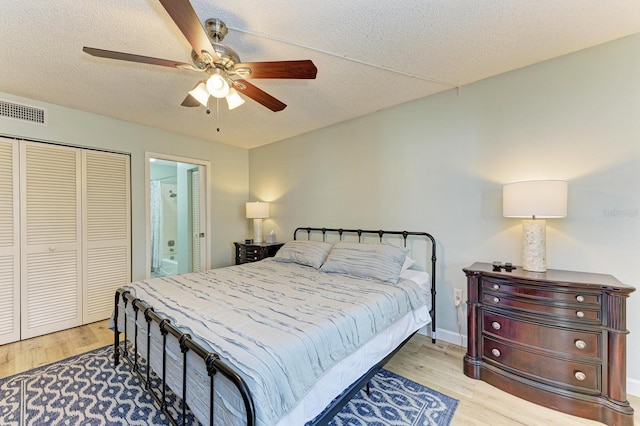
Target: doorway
[(176, 204)]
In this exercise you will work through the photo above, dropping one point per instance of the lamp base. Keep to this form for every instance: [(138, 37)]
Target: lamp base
[(534, 243), (257, 231)]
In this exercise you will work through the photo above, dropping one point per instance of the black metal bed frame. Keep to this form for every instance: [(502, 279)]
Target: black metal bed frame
[(212, 361), (380, 233)]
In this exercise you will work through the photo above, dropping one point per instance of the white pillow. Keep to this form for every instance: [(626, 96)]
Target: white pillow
[(408, 263), (423, 279), (419, 277)]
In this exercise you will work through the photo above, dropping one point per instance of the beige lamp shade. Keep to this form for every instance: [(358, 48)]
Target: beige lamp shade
[(535, 199), (257, 210)]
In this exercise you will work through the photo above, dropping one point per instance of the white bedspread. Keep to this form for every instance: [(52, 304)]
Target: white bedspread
[(280, 325)]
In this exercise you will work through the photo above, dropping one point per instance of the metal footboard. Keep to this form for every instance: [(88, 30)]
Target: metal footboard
[(210, 360)]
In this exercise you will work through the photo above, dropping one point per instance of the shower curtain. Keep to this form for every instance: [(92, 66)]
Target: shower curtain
[(156, 223)]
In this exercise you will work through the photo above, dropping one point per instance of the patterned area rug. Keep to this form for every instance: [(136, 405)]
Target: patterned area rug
[(396, 400), (87, 390)]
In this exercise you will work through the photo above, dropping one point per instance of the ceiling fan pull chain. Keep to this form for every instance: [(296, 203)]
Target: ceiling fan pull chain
[(218, 115)]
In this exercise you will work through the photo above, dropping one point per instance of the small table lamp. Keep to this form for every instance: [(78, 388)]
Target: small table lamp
[(257, 211), (534, 199)]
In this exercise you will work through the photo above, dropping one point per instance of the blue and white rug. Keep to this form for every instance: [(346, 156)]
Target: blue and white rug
[(396, 400), (87, 390)]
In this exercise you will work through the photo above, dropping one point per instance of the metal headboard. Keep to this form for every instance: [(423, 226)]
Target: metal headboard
[(405, 234)]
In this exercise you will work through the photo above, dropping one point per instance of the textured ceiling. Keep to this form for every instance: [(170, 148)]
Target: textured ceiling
[(370, 54)]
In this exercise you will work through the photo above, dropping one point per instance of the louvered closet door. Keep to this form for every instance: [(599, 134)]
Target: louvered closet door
[(9, 243), (106, 232), (196, 214), (50, 227)]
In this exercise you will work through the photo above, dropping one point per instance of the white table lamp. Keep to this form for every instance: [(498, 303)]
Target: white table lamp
[(257, 211), (535, 199)]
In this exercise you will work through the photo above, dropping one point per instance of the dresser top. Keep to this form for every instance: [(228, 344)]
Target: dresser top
[(556, 276), (262, 244)]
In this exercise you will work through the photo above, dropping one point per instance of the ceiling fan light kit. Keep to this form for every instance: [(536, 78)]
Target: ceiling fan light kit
[(222, 63), (234, 100), (201, 93), (217, 85)]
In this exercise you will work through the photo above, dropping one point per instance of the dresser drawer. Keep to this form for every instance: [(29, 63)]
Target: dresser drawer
[(575, 375), (575, 313), (541, 294), (562, 340), (251, 254)]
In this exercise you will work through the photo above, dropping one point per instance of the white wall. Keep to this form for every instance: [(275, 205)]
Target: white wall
[(438, 165), (227, 184)]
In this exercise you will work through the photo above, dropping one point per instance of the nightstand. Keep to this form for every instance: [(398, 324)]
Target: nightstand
[(555, 338), (254, 252)]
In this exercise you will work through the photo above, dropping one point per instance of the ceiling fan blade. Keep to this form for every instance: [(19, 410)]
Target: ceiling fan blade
[(259, 95), (277, 69), (190, 101), (189, 24), (110, 54)]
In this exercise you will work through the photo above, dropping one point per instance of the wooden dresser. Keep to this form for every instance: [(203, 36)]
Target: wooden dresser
[(556, 338)]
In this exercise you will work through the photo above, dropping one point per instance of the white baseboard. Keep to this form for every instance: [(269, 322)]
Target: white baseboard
[(633, 385), (446, 335), (451, 337)]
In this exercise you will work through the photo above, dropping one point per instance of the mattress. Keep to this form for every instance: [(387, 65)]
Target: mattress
[(297, 336)]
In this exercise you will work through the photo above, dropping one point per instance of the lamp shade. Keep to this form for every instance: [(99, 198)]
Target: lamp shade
[(217, 86), (535, 199), (257, 210), (233, 99), (200, 93)]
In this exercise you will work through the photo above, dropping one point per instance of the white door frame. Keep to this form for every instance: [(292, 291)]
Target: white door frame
[(205, 245)]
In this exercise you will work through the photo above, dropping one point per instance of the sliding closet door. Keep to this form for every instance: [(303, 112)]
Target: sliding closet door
[(9, 243), (106, 232), (50, 227)]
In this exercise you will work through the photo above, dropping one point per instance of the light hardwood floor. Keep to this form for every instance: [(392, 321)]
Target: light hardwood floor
[(438, 366), (27, 354)]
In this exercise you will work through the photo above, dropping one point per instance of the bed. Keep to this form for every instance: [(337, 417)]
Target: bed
[(284, 341)]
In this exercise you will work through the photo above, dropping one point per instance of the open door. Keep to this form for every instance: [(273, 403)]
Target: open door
[(177, 206)]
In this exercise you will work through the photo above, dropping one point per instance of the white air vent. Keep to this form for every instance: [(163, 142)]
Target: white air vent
[(22, 112)]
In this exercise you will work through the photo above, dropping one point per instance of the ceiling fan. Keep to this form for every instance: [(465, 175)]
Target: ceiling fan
[(226, 74)]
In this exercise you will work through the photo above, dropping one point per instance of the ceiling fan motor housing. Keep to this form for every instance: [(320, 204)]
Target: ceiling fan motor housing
[(217, 30), (228, 56)]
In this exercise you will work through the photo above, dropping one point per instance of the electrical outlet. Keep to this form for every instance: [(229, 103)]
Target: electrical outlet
[(457, 296)]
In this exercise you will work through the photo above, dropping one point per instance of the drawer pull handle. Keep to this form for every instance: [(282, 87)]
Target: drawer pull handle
[(580, 314), (580, 376), (580, 298), (496, 300), (495, 352), (496, 287), (580, 344), (496, 325)]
